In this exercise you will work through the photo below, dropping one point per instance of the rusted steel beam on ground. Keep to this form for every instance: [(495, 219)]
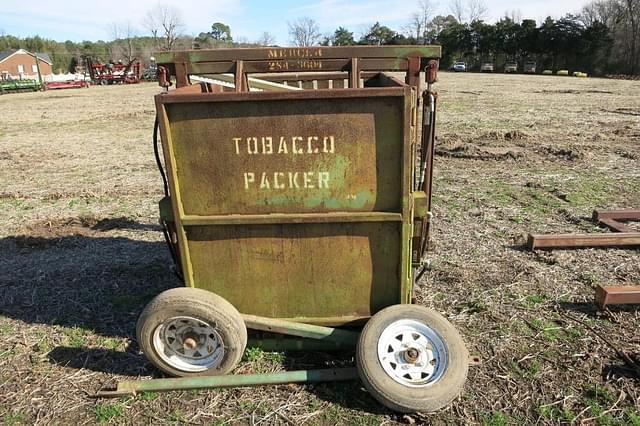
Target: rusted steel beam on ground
[(621, 239), (617, 295), (628, 214), (616, 226)]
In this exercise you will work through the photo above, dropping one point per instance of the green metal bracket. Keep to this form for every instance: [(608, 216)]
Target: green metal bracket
[(420, 204), (166, 211)]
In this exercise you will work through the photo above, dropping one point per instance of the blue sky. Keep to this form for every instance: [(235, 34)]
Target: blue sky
[(81, 20)]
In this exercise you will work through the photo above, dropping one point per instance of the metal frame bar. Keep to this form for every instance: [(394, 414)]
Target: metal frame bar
[(261, 219), (291, 328), (174, 188), (176, 97), (316, 52), (352, 59)]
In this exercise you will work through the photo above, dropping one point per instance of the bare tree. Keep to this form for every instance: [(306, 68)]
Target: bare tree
[(632, 12), (468, 10), (608, 12), (164, 22), (622, 17), (266, 39), (476, 10), (123, 46), (457, 9), (304, 32), (420, 20), (515, 15)]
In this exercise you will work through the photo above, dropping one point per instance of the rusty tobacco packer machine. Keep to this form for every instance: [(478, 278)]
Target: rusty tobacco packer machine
[(298, 199)]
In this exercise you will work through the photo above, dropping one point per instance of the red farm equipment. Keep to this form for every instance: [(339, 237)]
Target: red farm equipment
[(113, 73)]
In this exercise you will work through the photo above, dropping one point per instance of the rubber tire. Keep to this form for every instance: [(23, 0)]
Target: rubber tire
[(199, 304), (398, 397)]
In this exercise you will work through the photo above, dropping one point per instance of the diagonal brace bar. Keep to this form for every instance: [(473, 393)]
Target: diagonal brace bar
[(329, 334)]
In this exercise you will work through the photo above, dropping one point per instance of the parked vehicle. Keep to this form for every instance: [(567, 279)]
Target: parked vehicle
[(460, 66), (150, 73), (529, 67), (511, 67), (486, 67)]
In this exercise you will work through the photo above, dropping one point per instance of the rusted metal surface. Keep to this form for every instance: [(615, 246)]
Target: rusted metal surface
[(618, 239), (299, 204), (627, 214), (612, 218), (614, 225), (133, 387), (163, 77), (353, 59), (617, 295)]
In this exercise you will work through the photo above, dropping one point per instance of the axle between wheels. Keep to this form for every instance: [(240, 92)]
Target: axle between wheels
[(408, 357)]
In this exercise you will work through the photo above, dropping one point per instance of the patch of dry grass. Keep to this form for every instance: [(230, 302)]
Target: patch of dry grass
[(80, 255)]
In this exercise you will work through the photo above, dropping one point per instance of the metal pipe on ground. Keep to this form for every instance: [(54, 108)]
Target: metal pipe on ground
[(133, 387)]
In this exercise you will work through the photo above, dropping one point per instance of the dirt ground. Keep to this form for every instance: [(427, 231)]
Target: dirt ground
[(81, 253)]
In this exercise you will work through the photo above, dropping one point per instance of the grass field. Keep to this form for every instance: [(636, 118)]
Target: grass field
[(81, 254)]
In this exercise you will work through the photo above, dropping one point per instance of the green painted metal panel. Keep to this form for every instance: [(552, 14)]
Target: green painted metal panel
[(300, 271), (310, 155), (294, 205)]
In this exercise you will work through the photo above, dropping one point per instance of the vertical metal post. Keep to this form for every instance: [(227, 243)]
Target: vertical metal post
[(182, 79), (412, 77), (239, 77), (354, 74)]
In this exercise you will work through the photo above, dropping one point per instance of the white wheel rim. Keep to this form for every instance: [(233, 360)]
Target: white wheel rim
[(412, 353), (188, 344)]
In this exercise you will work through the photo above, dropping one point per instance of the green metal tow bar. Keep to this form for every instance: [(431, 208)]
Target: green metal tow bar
[(133, 387)]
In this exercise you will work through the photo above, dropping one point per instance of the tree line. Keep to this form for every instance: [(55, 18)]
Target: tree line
[(603, 38)]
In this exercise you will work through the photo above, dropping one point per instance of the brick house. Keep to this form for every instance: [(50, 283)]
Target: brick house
[(22, 64)]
